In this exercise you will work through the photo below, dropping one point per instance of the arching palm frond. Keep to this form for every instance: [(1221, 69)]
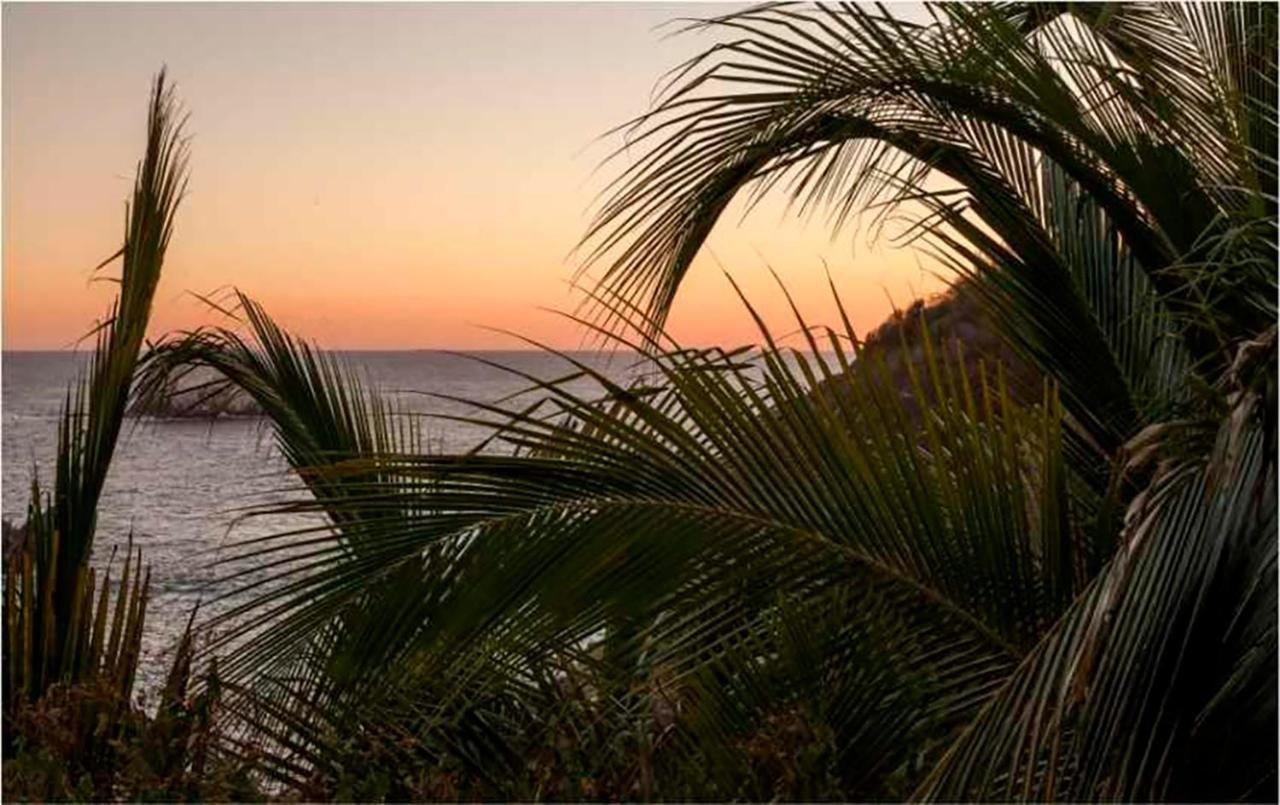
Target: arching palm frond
[(660, 521), (334, 434), (1113, 202), (767, 560), (1157, 119)]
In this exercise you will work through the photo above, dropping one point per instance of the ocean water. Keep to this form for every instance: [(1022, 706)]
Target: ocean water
[(180, 486)]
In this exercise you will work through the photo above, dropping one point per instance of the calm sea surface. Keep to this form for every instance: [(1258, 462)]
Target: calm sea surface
[(178, 486)]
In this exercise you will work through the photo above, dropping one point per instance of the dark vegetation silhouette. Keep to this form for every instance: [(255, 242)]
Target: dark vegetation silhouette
[(1016, 544)]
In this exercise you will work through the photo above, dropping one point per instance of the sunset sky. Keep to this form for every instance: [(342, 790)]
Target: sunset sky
[(379, 176)]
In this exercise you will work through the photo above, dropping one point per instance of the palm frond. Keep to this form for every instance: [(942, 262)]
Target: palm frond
[(50, 598), (664, 518), (850, 108)]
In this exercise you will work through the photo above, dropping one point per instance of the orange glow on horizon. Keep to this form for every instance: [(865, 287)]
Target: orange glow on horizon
[(395, 177)]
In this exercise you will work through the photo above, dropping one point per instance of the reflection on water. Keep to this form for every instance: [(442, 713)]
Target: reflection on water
[(179, 486)]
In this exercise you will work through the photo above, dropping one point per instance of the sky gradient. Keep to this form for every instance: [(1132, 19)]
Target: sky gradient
[(378, 176)]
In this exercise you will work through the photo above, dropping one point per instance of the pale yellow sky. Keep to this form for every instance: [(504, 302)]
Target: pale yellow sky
[(379, 176)]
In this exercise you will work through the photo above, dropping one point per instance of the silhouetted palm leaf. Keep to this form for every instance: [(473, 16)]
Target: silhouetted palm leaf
[(1074, 599), (50, 596)]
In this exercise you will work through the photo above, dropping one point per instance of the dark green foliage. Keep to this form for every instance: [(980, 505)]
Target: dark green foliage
[(90, 742), (103, 641), (54, 633), (1057, 594), (881, 571), (641, 537), (72, 729)]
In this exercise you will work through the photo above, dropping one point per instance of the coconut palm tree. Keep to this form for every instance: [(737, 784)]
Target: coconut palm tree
[(1110, 190), (920, 587)]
